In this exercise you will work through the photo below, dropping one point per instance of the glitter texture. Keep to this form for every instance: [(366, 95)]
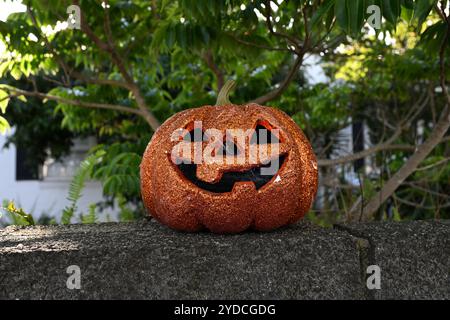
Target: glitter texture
[(176, 202)]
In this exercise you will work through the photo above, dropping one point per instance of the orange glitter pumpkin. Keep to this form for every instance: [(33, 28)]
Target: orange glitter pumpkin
[(234, 196)]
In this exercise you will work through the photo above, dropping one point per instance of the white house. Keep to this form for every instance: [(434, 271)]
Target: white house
[(48, 195)]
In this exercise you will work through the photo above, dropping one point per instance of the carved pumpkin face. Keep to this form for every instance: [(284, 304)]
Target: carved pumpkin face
[(276, 187)]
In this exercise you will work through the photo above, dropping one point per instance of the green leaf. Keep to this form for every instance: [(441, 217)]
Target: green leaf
[(396, 216), (212, 7), (321, 13), (198, 9), (350, 14), (164, 3), (422, 10), (181, 35), (342, 14), (391, 10), (3, 67), (357, 10), (24, 67), (170, 37), (4, 125), (4, 100), (16, 73), (408, 4), (432, 38), (19, 212), (22, 98), (407, 14)]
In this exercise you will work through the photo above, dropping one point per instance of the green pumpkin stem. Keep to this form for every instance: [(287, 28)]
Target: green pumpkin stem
[(223, 97)]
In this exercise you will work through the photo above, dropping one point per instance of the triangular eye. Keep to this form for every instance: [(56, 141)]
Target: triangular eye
[(230, 148), (263, 136), (195, 135)]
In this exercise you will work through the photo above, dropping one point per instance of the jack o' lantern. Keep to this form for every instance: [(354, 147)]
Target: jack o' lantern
[(232, 195)]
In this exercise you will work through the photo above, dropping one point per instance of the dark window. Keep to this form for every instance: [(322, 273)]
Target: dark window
[(24, 170), (358, 144)]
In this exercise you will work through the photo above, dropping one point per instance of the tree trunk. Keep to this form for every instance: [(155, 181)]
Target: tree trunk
[(408, 168)]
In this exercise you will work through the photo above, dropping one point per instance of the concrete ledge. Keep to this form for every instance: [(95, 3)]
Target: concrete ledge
[(145, 260)]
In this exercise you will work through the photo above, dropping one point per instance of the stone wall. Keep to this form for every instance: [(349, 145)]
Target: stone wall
[(145, 260)]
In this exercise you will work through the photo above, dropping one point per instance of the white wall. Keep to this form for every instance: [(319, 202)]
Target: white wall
[(47, 196), (313, 70)]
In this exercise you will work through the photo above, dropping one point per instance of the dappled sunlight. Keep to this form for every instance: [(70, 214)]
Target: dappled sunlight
[(19, 240)]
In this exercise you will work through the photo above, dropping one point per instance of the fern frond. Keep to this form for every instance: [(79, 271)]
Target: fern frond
[(91, 217), (122, 183), (78, 182)]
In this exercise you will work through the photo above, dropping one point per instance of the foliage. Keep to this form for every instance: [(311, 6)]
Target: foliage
[(37, 129), (177, 53), (77, 185), (4, 125), (119, 173), (17, 215), (91, 216)]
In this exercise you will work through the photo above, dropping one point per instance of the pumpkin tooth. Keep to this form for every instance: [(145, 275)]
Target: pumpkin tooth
[(208, 173)]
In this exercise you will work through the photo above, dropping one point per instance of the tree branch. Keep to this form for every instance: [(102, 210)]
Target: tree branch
[(300, 50), (109, 48), (281, 87), (99, 81), (64, 67), (209, 60), (74, 102), (259, 46), (415, 186), (365, 153), (68, 71), (290, 39), (423, 150), (375, 149), (419, 206), (434, 165)]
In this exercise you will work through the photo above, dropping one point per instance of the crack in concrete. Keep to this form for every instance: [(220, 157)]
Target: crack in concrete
[(366, 250)]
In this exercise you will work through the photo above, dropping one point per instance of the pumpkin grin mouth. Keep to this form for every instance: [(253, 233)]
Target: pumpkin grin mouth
[(230, 178)]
